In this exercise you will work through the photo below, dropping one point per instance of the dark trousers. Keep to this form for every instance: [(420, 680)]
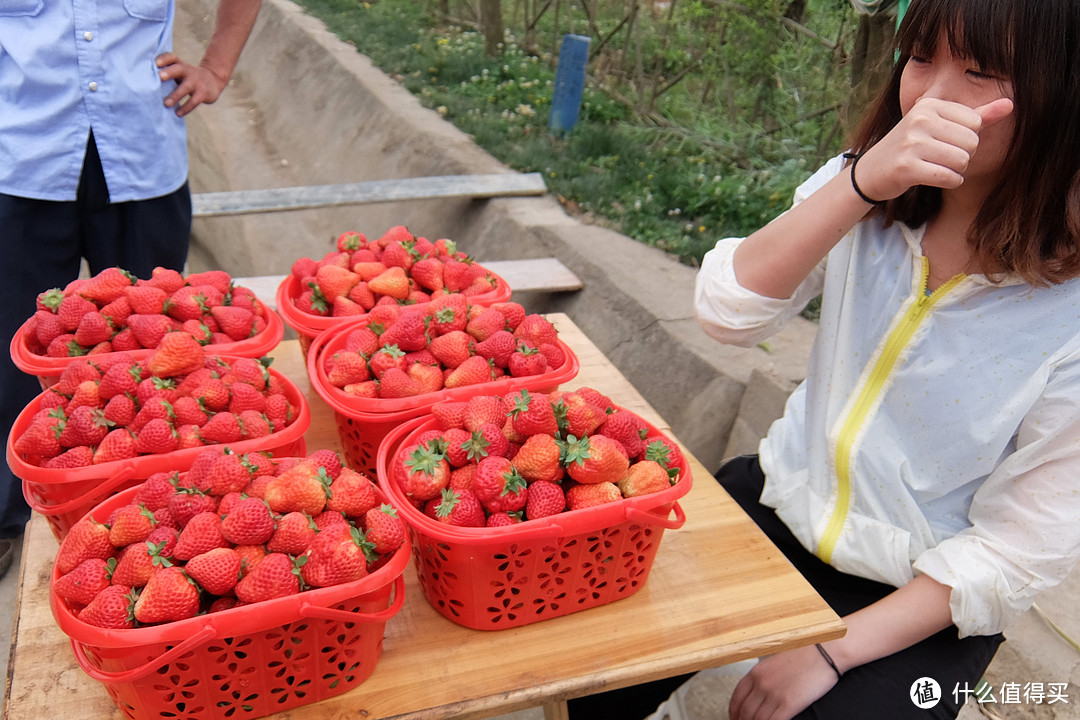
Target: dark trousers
[(43, 244), (881, 689)]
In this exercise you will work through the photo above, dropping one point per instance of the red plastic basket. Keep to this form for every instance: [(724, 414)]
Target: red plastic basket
[(364, 422), (505, 577), (308, 326), (246, 662), (63, 496), (48, 369)]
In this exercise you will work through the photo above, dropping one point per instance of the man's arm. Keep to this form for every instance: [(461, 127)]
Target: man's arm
[(204, 83)]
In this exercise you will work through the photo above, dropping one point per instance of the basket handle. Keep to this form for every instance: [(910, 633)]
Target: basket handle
[(325, 613), (123, 475), (653, 519), (146, 668)]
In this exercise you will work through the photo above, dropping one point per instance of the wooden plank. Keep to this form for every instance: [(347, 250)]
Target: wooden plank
[(536, 274), (718, 592), (242, 202)]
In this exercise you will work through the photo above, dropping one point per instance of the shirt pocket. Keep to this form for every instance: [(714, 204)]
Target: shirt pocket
[(153, 10), (17, 8)]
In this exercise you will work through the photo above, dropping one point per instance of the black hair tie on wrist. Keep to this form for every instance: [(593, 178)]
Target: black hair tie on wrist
[(855, 157), (829, 660)]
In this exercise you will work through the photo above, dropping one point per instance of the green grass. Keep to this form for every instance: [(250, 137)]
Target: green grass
[(675, 188)]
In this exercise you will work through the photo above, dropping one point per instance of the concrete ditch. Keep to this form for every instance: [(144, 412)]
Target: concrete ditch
[(304, 108)]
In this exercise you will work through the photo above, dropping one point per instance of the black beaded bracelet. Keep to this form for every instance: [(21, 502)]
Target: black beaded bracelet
[(855, 157), (829, 660)]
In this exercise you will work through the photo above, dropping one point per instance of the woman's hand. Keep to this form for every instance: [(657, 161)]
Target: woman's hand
[(195, 84), (781, 686), (931, 145)]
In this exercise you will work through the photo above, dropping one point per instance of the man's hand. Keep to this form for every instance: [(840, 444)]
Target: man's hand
[(195, 84)]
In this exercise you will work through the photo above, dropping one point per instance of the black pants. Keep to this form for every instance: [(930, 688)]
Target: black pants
[(43, 244), (880, 689)]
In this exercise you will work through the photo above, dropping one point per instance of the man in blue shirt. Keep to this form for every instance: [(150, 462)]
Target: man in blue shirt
[(93, 157)]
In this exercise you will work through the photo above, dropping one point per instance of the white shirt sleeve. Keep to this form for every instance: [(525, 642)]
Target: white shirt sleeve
[(732, 314), (1025, 533)]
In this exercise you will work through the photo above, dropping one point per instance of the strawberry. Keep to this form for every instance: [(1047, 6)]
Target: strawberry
[(86, 539), (293, 534), (113, 607), (486, 324), (276, 575), (368, 269), (428, 377), (117, 312), (146, 299), (539, 459), (627, 428), (533, 414), (85, 394), (119, 379), (47, 327), (453, 348), (189, 502), (85, 426), (167, 279), (335, 557), (585, 496), (554, 355), (254, 424), (107, 285), (202, 533), (335, 281), (536, 330), (156, 436), (396, 383), (498, 347), (498, 485), (216, 571), (131, 524), (245, 397), (138, 561), (526, 361), (473, 371), (385, 530), (40, 439), (594, 459), (228, 473), (217, 279), (303, 268), (545, 499), (457, 442), (89, 577), (501, 519), (304, 488), (393, 282), (492, 442), (155, 491), (176, 354), (513, 312), (449, 413), (643, 478), (482, 409), (448, 313), (409, 332), (93, 328), (223, 427), (312, 302), (150, 329), (427, 472), (255, 373), (213, 395), (81, 456), (191, 302), (248, 522), (386, 358), (169, 595), (428, 273), (74, 375), (352, 494), (460, 508), (458, 275), (118, 444), (71, 311), (350, 241), (397, 254), (577, 415), (236, 322), (397, 233)]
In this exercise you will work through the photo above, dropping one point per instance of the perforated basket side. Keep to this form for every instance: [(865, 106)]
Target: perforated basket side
[(361, 436)]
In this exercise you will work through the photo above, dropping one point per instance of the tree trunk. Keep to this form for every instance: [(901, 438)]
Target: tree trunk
[(491, 21), (871, 61)]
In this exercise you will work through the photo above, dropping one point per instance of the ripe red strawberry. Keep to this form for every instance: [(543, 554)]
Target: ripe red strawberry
[(335, 557), (460, 508), (213, 395), (409, 332), (93, 328), (245, 397), (368, 269), (533, 414), (167, 279), (427, 472), (74, 375), (138, 561), (146, 299), (577, 415), (512, 311), (644, 478), (483, 409), (458, 275), (118, 444), (47, 327), (223, 427), (428, 273), (202, 533), (71, 311), (448, 313), (312, 302), (217, 279), (228, 473), (150, 329), (89, 577), (40, 439), (449, 413), (627, 428), (217, 571), (81, 456), (189, 502), (473, 371), (554, 355), (117, 312), (386, 358), (293, 535), (156, 436), (526, 361), (545, 499), (113, 607), (583, 496), (131, 524), (501, 519), (539, 459), (486, 324), (156, 388), (85, 394), (536, 330), (254, 424), (350, 241), (453, 348), (276, 575), (498, 348), (86, 539), (250, 556), (65, 346), (352, 494), (457, 446), (393, 282), (119, 379), (236, 322), (594, 459), (248, 522), (85, 426), (191, 302), (396, 383), (385, 529), (176, 354), (428, 378), (664, 451), (169, 595), (335, 281), (498, 485), (303, 488)]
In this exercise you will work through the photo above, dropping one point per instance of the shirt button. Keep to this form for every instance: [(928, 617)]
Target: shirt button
[(93, 87), (88, 36)]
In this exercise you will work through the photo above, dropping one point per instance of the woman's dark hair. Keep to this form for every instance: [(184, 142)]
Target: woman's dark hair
[(1030, 222)]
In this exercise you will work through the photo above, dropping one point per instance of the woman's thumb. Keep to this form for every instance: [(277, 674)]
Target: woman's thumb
[(995, 111)]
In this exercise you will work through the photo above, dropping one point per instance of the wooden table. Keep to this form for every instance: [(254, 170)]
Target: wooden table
[(718, 592)]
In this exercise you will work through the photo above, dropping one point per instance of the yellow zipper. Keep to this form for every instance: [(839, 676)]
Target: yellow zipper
[(871, 390)]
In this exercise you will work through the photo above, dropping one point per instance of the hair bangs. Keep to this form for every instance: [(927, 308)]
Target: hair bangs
[(980, 30)]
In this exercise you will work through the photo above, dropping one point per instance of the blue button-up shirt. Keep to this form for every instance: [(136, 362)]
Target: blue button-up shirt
[(71, 66)]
